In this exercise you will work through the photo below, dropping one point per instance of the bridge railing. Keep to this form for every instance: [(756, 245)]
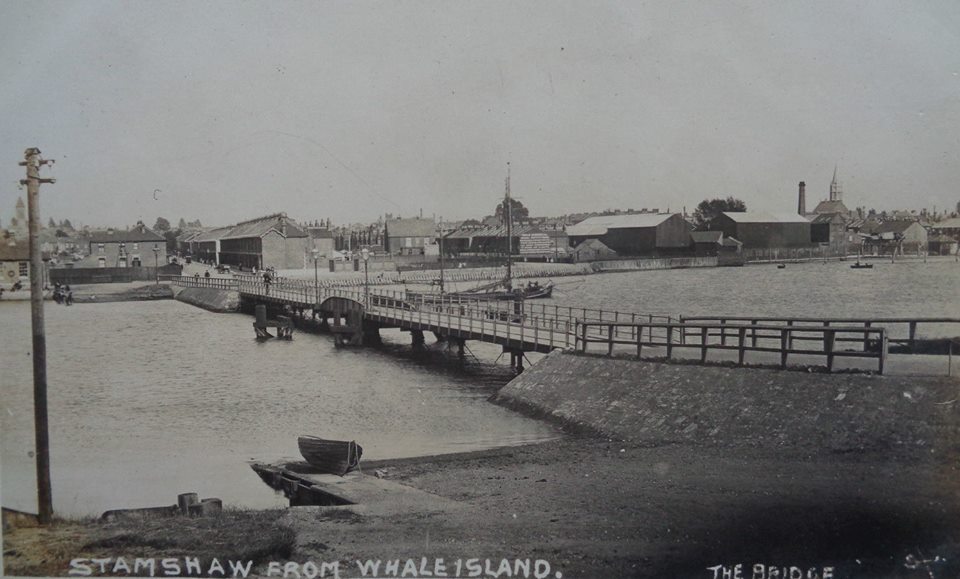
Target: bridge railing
[(526, 314), (777, 339), (729, 325), (545, 334), (196, 281)]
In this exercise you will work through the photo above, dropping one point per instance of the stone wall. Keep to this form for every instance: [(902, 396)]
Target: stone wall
[(659, 403), (215, 300)]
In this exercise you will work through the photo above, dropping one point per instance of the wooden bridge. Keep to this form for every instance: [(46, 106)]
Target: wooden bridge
[(356, 315)]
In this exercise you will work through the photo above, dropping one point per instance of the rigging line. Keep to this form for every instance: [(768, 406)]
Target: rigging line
[(335, 158)]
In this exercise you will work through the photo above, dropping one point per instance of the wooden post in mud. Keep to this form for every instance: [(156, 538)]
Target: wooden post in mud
[(33, 181)]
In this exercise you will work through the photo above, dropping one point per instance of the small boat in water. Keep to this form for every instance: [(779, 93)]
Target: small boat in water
[(532, 290), (860, 265), (782, 266), (330, 456)]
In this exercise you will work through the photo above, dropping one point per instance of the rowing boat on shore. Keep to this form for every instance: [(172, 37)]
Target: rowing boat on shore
[(330, 456)]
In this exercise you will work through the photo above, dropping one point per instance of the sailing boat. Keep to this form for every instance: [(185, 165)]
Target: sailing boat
[(503, 289), (498, 290)]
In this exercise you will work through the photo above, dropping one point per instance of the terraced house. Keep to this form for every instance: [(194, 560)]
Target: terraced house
[(125, 247)]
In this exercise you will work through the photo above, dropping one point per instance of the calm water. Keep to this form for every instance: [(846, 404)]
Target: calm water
[(150, 399), (901, 289)]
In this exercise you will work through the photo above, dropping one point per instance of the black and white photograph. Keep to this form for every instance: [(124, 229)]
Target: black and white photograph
[(529, 289)]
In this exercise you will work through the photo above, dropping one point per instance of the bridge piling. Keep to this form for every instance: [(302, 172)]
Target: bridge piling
[(418, 342)]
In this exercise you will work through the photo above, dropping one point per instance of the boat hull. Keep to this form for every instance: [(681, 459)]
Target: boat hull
[(330, 456), (539, 292)]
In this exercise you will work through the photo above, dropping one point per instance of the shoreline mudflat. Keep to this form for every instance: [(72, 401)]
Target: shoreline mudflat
[(600, 508), (592, 507)]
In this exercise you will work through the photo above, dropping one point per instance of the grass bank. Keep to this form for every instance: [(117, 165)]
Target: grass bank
[(238, 535)]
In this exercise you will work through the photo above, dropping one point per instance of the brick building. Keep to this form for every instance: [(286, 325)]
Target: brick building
[(14, 262), (635, 233), (270, 241), (125, 248), (409, 236), (756, 229)]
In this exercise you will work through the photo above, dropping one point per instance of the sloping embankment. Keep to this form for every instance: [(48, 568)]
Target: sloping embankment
[(655, 403), (105, 293), (215, 300)]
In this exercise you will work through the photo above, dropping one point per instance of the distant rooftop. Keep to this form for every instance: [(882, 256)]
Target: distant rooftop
[(139, 234), (598, 225), (764, 217)]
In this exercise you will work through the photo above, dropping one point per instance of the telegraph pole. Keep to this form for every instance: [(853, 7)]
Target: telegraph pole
[(33, 181)]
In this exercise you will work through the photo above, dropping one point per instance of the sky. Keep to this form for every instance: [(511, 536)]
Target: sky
[(225, 111)]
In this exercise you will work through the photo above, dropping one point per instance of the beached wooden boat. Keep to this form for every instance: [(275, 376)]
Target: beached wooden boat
[(860, 265), (330, 456)]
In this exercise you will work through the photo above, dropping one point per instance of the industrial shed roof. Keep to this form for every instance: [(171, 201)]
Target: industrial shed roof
[(263, 225), (598, 225), (764, 217), (707, 236)]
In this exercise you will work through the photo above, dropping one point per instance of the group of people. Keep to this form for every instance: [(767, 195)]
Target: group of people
[(62, 294)]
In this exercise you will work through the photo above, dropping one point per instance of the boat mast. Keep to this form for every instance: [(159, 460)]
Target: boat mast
[(441, 255), (509, 227)]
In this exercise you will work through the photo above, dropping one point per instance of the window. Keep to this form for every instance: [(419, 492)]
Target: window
[(24, 269), (99, 248), (136, 246), (101, 262)]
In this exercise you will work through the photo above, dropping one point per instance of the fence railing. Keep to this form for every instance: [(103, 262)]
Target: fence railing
[(777, 339), (729, 324), (196, 281)]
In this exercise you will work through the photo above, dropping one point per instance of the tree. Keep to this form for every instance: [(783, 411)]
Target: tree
[(65, 224), (710, 209), (171, 237), (52, 224), (182, 224), (517, 211), (161, 225)]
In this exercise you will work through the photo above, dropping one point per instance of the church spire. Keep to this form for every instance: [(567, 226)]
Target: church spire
[(836, 190)]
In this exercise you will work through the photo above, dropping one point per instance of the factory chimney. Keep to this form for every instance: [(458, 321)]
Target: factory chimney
[(802, 199)]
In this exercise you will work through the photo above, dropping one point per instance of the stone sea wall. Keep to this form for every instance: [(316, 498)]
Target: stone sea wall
[(215, 300), (658, 403)]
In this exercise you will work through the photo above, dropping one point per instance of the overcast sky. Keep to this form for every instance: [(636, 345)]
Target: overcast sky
[(349, 110)]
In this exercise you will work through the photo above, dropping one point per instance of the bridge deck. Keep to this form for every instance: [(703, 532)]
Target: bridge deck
[(541, 327)]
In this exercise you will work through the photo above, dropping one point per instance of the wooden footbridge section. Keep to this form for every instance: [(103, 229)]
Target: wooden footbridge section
[(356, 315)]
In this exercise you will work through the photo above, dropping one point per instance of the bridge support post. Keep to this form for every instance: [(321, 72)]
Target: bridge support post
[(371, 334), (418, 341), (516, 359), (460, 342)]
